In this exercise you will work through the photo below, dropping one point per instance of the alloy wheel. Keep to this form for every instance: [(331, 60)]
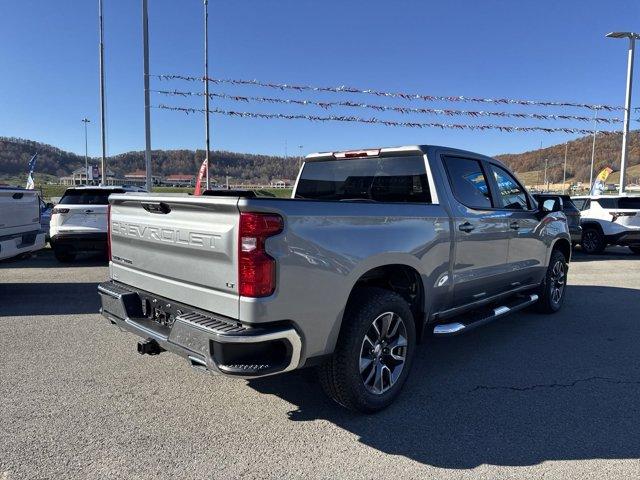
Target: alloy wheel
[(589, 240), (383, 353), (557, 281)]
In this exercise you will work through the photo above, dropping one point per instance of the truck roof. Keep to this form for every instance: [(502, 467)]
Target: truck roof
[(128, 188), (388, 152), (18, 189)]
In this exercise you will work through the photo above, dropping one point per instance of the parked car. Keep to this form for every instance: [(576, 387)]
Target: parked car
[(45, 217), (79, 221), (20, 231), (609, 220), (376, 249), (568, 208)]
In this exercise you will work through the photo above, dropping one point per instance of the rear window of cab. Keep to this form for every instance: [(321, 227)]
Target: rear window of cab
[(386, 179), (88, 196)]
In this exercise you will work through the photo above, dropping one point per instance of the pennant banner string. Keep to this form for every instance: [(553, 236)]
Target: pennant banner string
[(385, 108), (373, 120), (378, 93)]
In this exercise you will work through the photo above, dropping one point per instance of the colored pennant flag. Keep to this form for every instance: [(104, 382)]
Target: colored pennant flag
[(31, 167), (201, 174), (599, 183)]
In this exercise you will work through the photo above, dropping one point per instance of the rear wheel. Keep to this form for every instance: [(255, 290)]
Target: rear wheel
[(635, 249), (374, 352), (553, 288), (63, 255), (593, 241)]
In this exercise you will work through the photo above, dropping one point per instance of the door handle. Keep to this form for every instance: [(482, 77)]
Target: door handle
[(466, 227), (514, 226)]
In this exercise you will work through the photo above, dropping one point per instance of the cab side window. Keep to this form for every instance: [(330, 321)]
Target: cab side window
[(579, 203), (511, 194), (468, 182)]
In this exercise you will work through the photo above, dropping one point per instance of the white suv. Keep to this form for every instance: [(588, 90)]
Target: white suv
[(79, 221), (609, 220)]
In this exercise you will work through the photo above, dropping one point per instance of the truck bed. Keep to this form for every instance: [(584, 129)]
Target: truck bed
[(185, 248)]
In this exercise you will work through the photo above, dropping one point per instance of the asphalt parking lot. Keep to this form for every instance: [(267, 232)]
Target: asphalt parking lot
[(527, 396)]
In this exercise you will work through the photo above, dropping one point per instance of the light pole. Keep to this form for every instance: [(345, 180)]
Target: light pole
[(301, 156), (147, 105), (593, 145), (206, 84), (564, 174), (627, 104), (86, 151), (546, 162), (102, 122)]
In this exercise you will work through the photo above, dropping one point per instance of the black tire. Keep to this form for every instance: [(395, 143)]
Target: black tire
[(342, 378), (593, 241), (554, 286), (63, 255), (635, 249)]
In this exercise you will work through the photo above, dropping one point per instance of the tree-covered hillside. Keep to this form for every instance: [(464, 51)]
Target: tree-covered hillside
[(607, 153), (15, 154)]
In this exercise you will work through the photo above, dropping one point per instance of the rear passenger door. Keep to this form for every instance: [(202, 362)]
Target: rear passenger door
[(480, 232), (527, 250)]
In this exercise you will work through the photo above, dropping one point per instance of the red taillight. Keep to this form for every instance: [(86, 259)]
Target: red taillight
[(256, 269), (109, 231), (59, 210)]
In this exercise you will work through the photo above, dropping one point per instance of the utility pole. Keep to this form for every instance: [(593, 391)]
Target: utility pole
[(546, 162), (206, 84), (102, 123), (147, 103), (540, 159), (86, 151), (301, 156), (627, 104), (593, 145), (564, 174)]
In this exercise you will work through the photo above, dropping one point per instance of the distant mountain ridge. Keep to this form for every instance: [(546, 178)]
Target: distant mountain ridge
[(607, 153), (15, 154)]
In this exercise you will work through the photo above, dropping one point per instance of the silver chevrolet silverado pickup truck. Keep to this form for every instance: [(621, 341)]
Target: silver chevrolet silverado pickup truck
[(376, 250)]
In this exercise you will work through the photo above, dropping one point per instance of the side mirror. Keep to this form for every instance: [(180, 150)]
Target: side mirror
[(49, 205), (550, 205)]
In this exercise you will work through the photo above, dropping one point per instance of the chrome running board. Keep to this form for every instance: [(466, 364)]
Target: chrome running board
[(483, 317)]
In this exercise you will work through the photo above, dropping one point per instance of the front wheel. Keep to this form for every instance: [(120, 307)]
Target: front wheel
[(374, 352), (554, 286)]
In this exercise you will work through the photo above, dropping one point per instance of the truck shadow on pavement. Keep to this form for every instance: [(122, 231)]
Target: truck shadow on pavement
[(528, 389), (610, 253), (24, 299), (45, 259)]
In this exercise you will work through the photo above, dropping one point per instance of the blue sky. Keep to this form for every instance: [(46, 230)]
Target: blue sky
[(542, 49)]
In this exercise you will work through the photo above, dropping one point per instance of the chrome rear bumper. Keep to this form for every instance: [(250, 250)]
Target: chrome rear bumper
[(208, 341)]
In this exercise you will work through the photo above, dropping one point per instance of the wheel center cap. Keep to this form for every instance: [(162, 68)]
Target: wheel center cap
[(377, 349)]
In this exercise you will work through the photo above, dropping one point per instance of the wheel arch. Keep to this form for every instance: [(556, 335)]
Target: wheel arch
[(400, 278), (592, 224), (564, 246)]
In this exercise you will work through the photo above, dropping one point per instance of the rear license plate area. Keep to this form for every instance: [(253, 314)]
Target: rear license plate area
[(159, 311)]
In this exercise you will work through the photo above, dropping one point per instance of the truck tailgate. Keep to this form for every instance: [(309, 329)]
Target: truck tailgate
[(179, 247), (19, 211)]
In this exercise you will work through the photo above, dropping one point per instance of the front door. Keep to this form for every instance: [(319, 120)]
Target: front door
[(481, 233), (527, 251)]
